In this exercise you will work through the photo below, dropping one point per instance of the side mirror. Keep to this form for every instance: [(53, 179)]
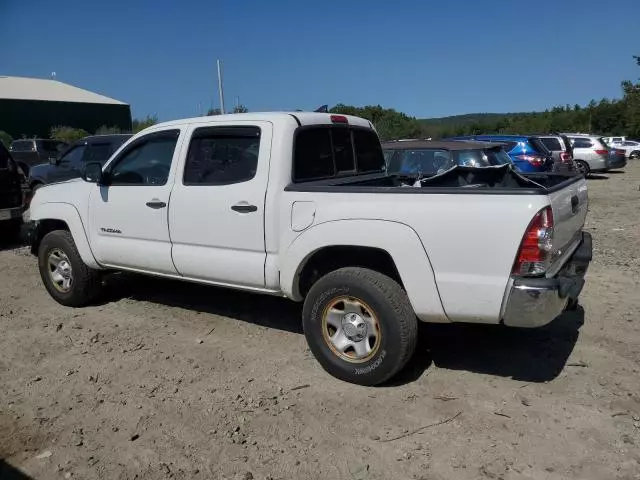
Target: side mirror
[(93, 173)]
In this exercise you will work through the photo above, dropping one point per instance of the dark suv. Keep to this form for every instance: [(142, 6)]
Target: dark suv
[(11, 198), (34, 151), (96, 148)]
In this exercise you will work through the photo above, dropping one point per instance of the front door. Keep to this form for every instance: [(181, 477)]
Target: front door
[(128, 216), (216, 216)]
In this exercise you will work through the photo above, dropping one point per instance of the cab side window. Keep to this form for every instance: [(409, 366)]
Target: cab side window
[(222, 155), (147, 161)]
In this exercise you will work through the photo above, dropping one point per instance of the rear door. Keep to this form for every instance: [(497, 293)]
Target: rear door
[(216, 214)]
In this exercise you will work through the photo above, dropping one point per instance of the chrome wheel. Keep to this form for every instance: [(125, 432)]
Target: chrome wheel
[(351, 329), (60, 271)]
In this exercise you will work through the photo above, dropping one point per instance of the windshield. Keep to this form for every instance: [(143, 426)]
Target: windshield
[(433, 161)]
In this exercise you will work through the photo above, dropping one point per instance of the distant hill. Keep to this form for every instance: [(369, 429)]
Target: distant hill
[(466, 119)]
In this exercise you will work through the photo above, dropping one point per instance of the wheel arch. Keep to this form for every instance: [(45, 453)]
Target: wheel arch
[(391, 248), (49, 217)]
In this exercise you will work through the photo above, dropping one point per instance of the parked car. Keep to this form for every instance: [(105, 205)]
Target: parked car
[(561, 149), (614, 141), (300, 205), (70, 164), (34, 151), (631, 148), (527, 153), (428, 157), (11, 196), (592, 154)]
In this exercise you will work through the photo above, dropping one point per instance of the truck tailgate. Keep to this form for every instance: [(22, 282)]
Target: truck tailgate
[(569, 206)]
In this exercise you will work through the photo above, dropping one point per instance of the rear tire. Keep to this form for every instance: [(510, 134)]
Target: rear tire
[(65, 276), (359, 325), (582, 167)]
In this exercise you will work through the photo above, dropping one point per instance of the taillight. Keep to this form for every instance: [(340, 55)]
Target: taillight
[(536, 248), (620, 152), (565, 157), (532, 159), (602, 152)]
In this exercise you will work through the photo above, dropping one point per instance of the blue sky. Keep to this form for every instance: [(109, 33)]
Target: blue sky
[(425, 58)]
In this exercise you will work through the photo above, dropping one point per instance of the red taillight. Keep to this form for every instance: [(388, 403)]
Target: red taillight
[(532, 159), (565, 157), (339, 119), (620, 152), (537, 245), (602, 152)]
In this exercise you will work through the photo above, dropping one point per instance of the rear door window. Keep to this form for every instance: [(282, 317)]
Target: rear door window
[(222, 155)]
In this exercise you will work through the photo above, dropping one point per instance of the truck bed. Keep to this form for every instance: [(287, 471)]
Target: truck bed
[(501, 180)]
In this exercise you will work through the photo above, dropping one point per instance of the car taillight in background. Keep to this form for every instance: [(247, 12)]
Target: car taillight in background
[(601, 151), (534, 160), (536, 248), (619, 152), (565, 157)]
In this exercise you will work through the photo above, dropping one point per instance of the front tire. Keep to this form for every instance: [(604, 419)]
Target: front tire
[(634, 155), (65, 276), (359, 325)]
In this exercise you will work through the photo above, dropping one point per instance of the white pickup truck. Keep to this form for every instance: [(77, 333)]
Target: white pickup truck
[(299, 205)]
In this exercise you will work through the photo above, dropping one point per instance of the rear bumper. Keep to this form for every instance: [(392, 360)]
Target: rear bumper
[(535, 302), (10, 213)]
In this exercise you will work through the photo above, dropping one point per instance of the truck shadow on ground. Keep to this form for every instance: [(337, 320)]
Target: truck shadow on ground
[(531, 355), (264, 310), (7, 472)]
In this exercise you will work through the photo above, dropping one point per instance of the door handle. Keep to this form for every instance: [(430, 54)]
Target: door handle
[(242, 208), (156, 205)]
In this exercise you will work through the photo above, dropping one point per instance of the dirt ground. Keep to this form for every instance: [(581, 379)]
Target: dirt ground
[(168, 380)]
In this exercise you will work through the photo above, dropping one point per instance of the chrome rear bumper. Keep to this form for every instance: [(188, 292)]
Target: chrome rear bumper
[(534, 302)]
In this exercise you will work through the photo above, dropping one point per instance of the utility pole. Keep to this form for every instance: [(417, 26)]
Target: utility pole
[(220, 91)]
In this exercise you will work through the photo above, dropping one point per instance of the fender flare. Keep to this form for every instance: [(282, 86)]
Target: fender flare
[(68, 213), (399, 240)]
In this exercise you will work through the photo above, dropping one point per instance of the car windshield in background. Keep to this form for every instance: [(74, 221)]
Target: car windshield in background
[(52, 146), (433, 161)]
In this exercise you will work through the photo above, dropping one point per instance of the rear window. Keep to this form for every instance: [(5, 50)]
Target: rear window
[(51, 146), (22, 146), (325, 152), (552, 144), (539, 147), (508, 146), (581, 142)]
